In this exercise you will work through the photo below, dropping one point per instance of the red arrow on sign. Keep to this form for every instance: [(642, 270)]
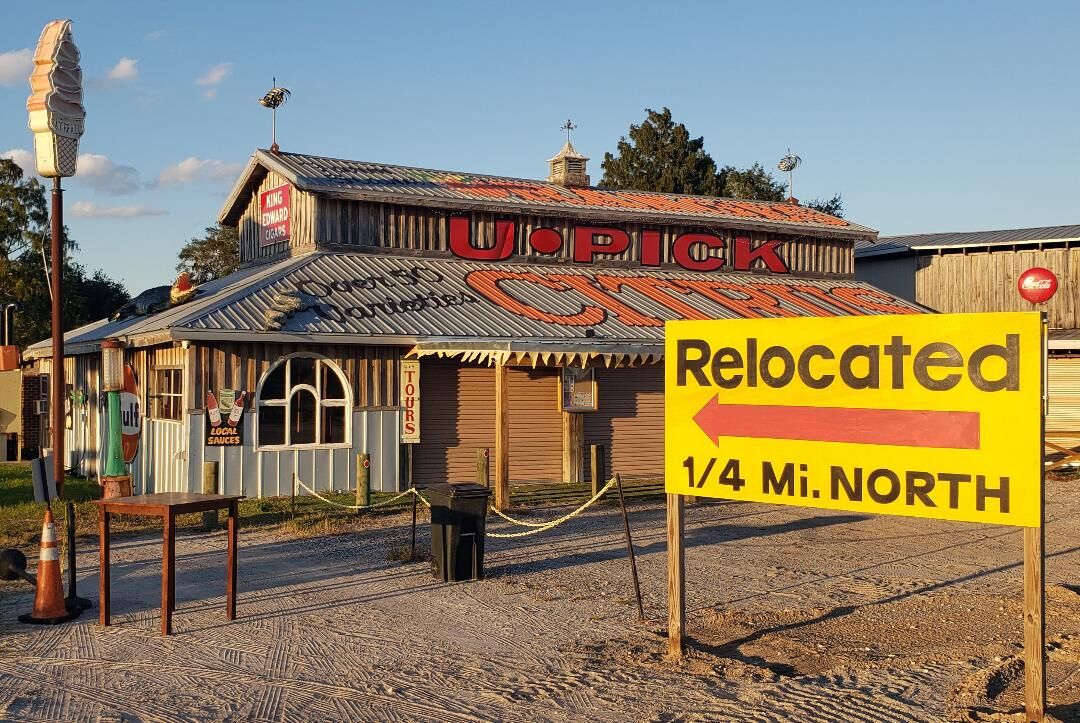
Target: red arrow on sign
[(896, 427)]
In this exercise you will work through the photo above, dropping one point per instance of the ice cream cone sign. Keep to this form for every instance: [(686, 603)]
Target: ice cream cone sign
[(55, 104)]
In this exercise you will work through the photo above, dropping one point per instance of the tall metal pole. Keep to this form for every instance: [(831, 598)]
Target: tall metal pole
[(58, 334)]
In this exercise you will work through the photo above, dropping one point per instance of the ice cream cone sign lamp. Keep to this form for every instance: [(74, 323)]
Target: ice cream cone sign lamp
[(57, 120), (115, 482)]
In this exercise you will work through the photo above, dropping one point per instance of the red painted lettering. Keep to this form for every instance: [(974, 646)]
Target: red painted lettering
[(461, 242), (650, 248), (661, 291), (622, 312), (487, 283), (746, 254), (751, 304), (681, 251), (586, 246)]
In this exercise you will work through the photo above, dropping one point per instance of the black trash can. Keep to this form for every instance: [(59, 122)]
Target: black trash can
[(458, 514)]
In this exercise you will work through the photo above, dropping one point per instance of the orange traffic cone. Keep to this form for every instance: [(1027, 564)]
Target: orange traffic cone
[(49, 607)]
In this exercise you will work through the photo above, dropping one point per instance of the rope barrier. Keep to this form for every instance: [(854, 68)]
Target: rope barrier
[(410, 491), (541, 527)]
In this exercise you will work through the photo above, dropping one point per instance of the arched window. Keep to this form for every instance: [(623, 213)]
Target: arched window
[(303, 401)]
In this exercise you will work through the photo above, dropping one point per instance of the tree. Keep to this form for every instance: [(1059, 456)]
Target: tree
[(24, 238), (23, 214), (661, 156), (754, 183), (834, 206), (214, 255)]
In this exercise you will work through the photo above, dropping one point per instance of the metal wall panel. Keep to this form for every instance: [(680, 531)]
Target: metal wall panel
[(629, 421)]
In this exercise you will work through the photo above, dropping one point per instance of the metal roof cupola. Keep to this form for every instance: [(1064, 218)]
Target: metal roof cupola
[(568, 166)]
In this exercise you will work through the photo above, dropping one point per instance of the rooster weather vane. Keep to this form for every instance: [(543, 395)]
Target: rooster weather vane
[(274, 99)]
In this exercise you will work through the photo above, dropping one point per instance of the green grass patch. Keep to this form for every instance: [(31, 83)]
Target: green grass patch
[(20, 516)]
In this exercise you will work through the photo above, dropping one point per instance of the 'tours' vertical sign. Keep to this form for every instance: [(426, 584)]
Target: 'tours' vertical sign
[(410, 401)]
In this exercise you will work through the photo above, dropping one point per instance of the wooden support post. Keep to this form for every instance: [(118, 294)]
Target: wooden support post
[(676, 576), (502, 438), (573, 448), (483, 468), (210, 487), (596, 467), (1034, 625), (363, 479)]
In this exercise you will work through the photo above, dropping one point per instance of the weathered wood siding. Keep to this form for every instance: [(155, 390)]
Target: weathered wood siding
[(302, 224), (371, 371), (957, 282), (391, 226)]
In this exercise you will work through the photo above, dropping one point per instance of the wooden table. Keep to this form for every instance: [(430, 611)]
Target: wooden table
[(1071, 454), (167, 505)]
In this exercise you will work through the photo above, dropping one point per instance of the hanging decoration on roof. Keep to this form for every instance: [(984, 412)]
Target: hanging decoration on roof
[(158, 298), (1037, 285), (788, 164), (274, 99), (283, 305)]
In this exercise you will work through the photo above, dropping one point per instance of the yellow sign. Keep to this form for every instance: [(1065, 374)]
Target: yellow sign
[(928, 415)]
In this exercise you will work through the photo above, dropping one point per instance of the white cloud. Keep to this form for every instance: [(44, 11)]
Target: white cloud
[(124, 70), (15, 66), (193, 170), (100, 173), (23, 159), (86, 209), (215, 75)]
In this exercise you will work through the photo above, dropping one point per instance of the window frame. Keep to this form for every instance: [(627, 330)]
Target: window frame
[(157, 397), (320, 403)]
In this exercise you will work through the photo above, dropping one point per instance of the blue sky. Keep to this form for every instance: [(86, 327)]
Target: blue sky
[(925, 116)]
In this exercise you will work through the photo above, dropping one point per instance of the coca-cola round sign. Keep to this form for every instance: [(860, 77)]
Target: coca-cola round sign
[(1037, 284)]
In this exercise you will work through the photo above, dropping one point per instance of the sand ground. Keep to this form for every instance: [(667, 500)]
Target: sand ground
[(795, 615)]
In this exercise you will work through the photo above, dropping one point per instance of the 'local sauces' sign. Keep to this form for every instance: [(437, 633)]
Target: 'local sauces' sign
[(694, 251), (274, 216), (224, 423)]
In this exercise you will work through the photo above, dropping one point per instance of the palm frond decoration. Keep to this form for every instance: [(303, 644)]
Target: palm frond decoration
[(274, 99)]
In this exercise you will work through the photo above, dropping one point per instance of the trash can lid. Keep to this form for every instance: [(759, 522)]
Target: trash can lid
[(468, 489)]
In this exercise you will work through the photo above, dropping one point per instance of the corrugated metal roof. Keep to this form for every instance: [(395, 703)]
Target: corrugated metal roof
[(358, 297), (421, 186), (1006, 237)]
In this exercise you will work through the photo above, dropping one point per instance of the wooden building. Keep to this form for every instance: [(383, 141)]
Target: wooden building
[(533, 310), (977, 271)]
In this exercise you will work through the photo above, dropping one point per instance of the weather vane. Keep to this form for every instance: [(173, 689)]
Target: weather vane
[(567, 126), (788, 164), (274, 99)]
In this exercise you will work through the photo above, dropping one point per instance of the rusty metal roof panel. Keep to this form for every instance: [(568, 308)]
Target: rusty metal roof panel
[(372, 298), (378, 295), (403, 184)]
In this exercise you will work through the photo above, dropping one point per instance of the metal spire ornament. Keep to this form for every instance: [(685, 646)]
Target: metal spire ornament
[(568, 126), (274, 99), (788, 164)]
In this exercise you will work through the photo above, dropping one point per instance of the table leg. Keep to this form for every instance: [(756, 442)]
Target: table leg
[(230, 571), (168, 572), (103, 566)]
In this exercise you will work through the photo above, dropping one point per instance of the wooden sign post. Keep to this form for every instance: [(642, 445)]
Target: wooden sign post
[(833, 414)]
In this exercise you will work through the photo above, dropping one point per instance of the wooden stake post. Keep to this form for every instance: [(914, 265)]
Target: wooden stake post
[(676, 576), (483, 470), (502, 439), (363, 479)]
